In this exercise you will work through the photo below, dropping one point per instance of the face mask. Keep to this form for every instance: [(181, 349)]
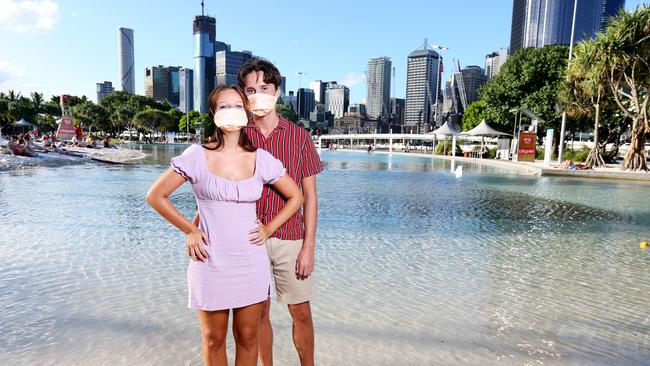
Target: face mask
[(230, 119), (262, 104)]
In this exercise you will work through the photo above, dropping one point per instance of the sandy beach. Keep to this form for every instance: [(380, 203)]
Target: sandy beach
[(80, 155)]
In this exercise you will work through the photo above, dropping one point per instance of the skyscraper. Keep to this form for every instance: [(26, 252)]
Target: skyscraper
[(357, 108), (421, 86), (537, 23), (103, 90), (291, 100), (397, 106), (157, 84), (174, 85), (306, 102), (378, 79), (337, 99), (228, 64), (473, 78), (125, 50), (204, 29), (318, 87), (283, 86), (494, 61), (518, 25), (163, 83), (186, 92)]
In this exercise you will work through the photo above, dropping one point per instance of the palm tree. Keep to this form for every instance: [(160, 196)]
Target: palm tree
[(37, 101), (626, 44), (13, 96), (588, 83)]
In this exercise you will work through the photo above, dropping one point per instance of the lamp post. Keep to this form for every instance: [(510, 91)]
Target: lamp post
[(563, 126), (441, 48), (300, 74)]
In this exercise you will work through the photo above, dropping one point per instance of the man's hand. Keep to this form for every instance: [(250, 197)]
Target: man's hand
[(305, 262)]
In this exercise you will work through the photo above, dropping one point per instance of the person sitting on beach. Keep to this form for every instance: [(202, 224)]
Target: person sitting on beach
[(572, 165), (46, 140), (107, 143), (22, 149), (12, 146), (91, 143)]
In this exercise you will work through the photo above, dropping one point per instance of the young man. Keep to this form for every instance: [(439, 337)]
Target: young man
[(291, 248)]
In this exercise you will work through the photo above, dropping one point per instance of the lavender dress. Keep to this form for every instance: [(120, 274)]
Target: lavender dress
[(237, 273)]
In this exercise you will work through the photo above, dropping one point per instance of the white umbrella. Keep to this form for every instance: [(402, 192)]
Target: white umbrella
[(446, 130), (483, 129), (22, 123)]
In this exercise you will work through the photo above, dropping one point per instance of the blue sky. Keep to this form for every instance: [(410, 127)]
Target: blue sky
[(65, 47)]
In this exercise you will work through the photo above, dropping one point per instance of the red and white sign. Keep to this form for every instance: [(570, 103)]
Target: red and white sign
[(527, 146), (66, 128)]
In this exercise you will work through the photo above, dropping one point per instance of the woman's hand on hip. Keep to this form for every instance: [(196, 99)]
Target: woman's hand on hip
[(194, 242), (260, 233)]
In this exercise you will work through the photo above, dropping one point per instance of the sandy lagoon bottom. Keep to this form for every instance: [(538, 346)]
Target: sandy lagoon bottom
[(414, 267)]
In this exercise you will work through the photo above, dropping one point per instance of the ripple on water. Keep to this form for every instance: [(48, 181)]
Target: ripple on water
[(414, 267)]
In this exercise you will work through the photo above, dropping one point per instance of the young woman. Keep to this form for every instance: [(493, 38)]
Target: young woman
[(229, 268)]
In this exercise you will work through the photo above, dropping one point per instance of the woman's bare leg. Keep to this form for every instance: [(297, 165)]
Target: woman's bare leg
[(246, 324), (214, 328)]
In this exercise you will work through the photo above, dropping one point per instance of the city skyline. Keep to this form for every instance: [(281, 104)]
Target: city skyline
[(72, 45)]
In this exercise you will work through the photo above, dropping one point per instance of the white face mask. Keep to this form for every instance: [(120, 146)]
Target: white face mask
[(231, 119), (261, 104)]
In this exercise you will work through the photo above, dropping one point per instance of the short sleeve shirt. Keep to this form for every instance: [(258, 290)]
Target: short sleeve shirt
[(293, 146)]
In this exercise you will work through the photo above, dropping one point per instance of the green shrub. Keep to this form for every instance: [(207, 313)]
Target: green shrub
[(444, 147), (580, 155)]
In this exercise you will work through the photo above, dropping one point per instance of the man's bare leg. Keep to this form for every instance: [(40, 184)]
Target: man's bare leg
[(266, 336), (303, 332)]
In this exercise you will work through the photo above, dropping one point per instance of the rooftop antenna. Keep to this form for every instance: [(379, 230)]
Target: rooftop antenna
[(202, 9)]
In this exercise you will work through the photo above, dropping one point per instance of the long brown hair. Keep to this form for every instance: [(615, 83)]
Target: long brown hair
[(217, 136)]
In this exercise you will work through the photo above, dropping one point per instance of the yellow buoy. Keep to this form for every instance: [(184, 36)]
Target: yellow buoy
[(644, 244)]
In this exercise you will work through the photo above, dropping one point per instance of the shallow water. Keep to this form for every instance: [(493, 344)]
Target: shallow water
[(414, 267)]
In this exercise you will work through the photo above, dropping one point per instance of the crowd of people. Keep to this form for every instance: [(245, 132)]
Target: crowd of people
[(30, 145)]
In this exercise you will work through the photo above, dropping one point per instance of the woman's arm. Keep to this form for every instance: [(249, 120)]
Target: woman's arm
[(157, 197), (293, 200)]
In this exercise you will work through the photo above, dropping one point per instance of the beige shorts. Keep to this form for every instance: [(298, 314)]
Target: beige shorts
[(289, 288)]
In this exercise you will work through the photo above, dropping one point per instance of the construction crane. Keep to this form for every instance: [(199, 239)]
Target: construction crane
[(461, 85)]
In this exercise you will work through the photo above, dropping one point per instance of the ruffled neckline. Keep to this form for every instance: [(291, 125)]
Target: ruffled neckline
[(205, 165)]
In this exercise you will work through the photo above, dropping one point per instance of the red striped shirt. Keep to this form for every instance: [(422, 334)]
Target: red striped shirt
[(293, 146)]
